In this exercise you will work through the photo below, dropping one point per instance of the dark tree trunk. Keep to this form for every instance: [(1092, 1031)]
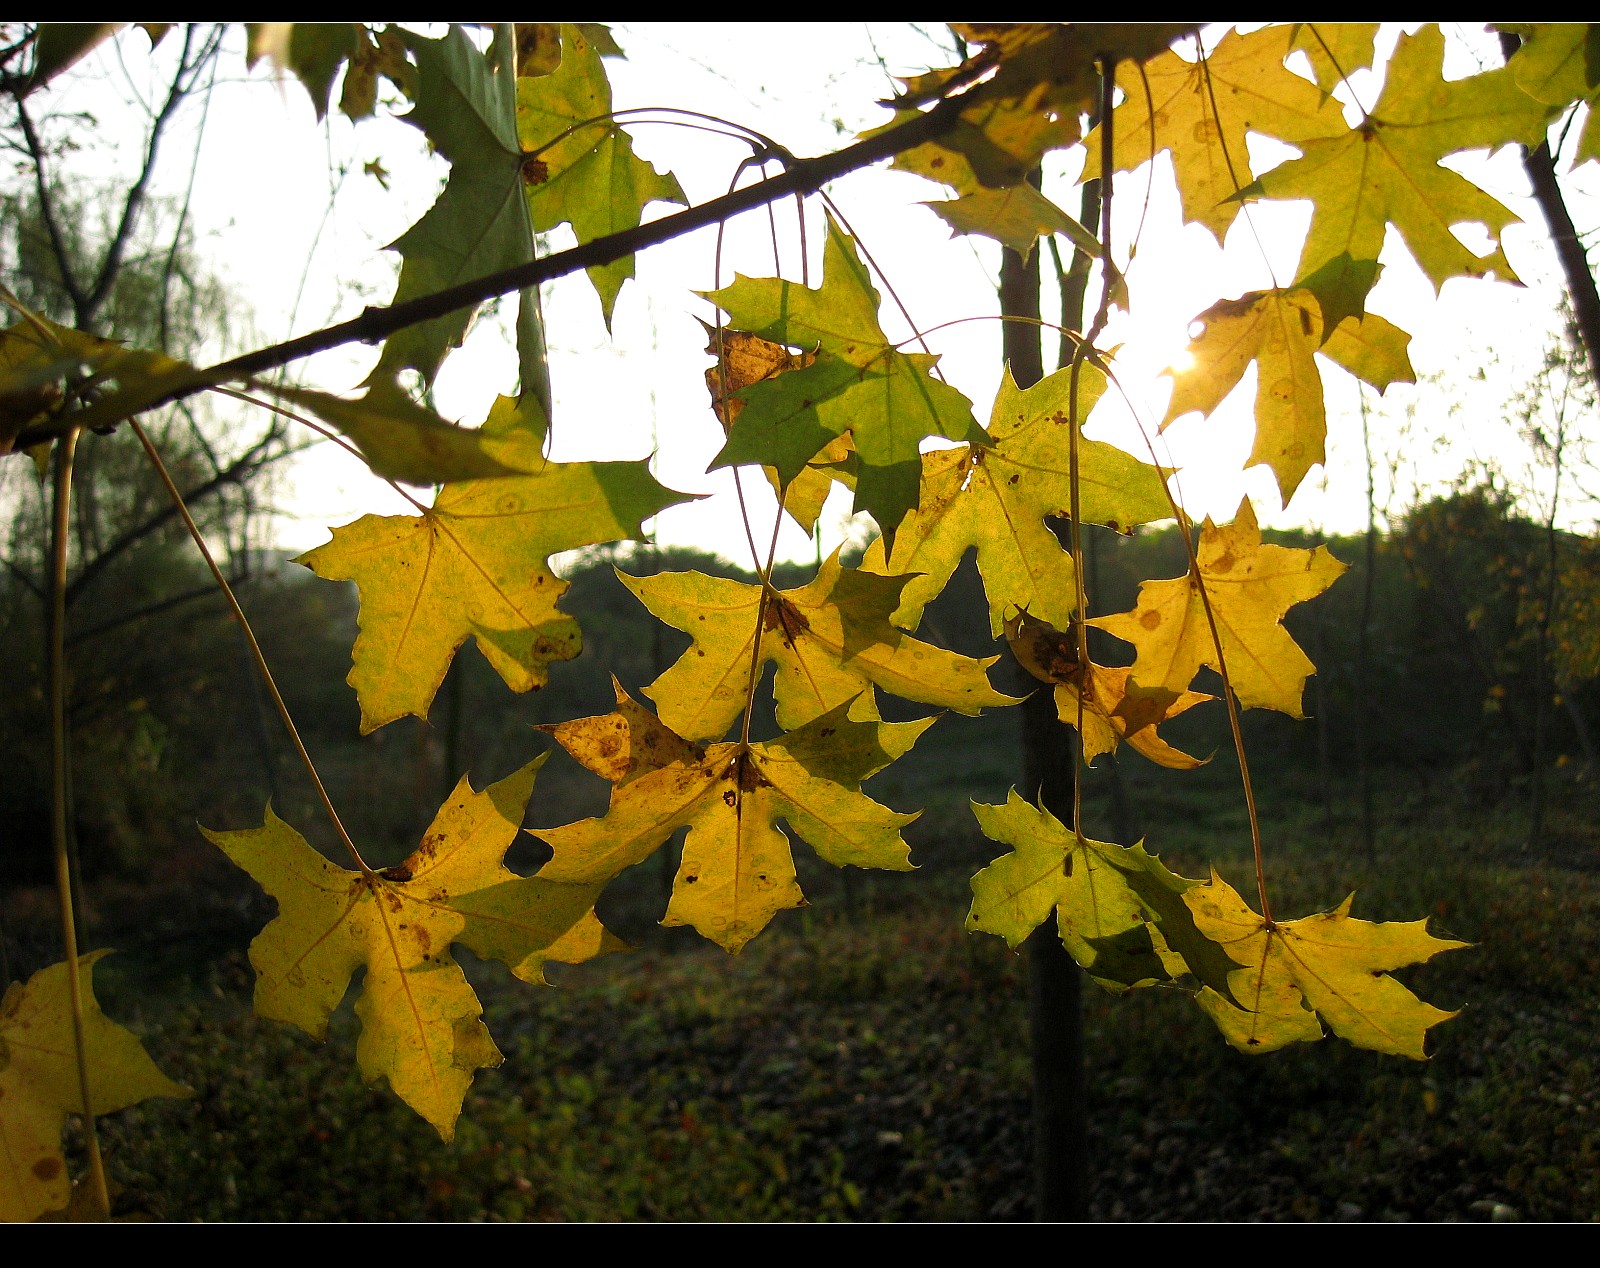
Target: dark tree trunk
[(1055, 983)]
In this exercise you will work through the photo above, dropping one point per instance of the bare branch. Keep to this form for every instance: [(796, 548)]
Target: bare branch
[(801, 176)]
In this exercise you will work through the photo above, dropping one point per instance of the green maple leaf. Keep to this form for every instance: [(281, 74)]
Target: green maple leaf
[(1386, 171), (859, 383), (744, 359), (474, 564), (1119, 911), (1328, 968), (737, 870), (831, 640), (466, 106), (421, 1024), (581, 168), (39, 1082), (996, 498), (1280, 331), (1201, 111)]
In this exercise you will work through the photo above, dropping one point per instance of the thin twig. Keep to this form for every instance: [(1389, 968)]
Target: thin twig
[(59, 809), (255, 647), (377, 324)]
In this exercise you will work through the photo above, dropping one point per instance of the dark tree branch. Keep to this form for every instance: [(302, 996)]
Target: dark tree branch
[(1541, 169), (802, 176), (133, 204), (237, 473), (47, 213), (208, 590)]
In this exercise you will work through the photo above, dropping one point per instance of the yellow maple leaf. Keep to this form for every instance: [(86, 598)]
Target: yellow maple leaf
[(1251, 586), (1113, 712), (1201, 112), (831, 640), (1386, 171), (1330, 966), (475, 564), (1558, 64), (996, 499), (1336, 49), (39, 1082), (737, 870), (1280, 331), (421, 1024)]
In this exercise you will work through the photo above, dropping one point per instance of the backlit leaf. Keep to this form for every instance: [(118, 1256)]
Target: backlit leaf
[(737, 870), (580, 166), (744, 359), (39, 1082), (1113, 711), (1325, 969), (421, 1026), (1336, 49), (475, 564), (1202, 110), (1280, 331), (860, 383), (831, 640), (466, 106), (996, 499), (1559, 63), (406, 441), (1251, 586), (1386, 171)]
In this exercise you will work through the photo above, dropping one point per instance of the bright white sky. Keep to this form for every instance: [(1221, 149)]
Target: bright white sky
[(304, 244)]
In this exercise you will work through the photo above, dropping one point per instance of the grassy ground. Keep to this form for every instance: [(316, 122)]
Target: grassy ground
[(867, 1060)]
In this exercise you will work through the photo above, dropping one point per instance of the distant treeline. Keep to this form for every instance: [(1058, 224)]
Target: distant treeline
[(1479, 658)]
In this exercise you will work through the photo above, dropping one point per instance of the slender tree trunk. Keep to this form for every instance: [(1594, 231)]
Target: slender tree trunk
[(1363, 709), (1319, 650), (1055, 983)]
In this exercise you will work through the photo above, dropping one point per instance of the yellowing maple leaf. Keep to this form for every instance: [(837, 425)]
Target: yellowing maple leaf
[(1330, 966), (1559, 63), (1386, 171), (737, 870), (39, 1082), (475, 564), (996, 499), (1336, 49), (859, 383), (581, 168), (406, 441), (1015, 215), (1251, 586), (1201, 111), (831, 640), (420, 1020), (1044, 78), (1113, 711), (1280, 331), (1119, 911)]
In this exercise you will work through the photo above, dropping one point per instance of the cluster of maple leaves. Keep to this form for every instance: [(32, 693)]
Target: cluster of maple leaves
[(808, 386)]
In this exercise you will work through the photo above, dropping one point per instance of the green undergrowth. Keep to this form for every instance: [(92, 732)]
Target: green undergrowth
[(876, 1067)]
